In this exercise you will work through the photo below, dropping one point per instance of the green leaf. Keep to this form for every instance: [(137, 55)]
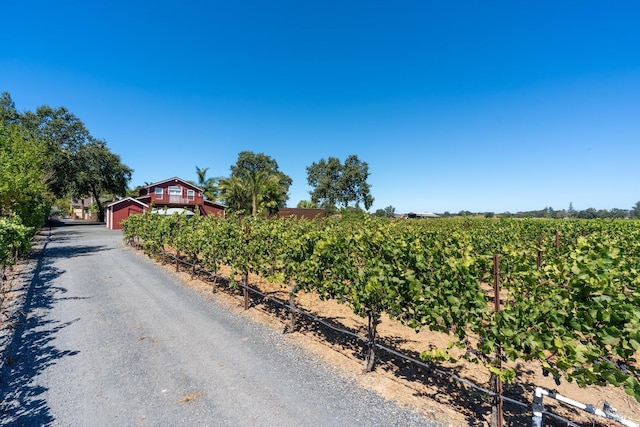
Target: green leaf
[(610, 340)]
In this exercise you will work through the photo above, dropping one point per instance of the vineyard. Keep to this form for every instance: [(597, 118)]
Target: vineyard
[(15, 239), (564, 294)]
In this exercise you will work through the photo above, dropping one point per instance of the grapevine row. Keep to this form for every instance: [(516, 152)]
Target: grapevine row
[(570, 290), (14, 240)]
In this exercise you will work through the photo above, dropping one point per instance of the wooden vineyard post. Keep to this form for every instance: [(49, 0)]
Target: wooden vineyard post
[(177, 251), (539, 251), (497, 417), (246, 274), (246, 291), (292, 308), (557, 239)]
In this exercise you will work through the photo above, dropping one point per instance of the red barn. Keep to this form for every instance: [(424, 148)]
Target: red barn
[(121, 209), (173, 193)]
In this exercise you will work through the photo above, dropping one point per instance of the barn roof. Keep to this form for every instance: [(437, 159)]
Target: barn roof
[(144, 205)]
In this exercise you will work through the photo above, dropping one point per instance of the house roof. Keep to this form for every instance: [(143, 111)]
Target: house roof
[(423, 215), (175, 179), (144, 205), (212, 203)]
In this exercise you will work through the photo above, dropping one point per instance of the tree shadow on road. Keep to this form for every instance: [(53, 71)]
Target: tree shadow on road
[(30, 351), (76, 251)]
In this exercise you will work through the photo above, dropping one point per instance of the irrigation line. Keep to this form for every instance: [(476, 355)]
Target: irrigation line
[(385, 348), (559, 418), (285, 305)]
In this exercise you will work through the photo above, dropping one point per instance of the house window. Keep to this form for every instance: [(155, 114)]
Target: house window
[(175, 191), (158, 193), (191, 194)]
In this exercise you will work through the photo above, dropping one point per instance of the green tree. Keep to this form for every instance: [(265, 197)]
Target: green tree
[(589, 213), (353, 185), (618, 213), (255, 184), (135, 192), (63, 134), (208, 185), (8, 112), (306, 204), (98, 172), (23, 189), (388, 212), (380, 213), (202, 175), (324, 177), (635, 211), (48, 153), (234, 195), (78, 164), (335, 183)]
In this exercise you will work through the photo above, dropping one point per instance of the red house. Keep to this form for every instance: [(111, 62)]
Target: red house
[(173, 193)]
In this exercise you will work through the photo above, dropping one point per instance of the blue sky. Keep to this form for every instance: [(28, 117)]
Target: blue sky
[(463, 105)]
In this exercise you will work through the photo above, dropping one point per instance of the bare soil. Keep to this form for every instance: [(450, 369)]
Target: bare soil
[(10, 290), (439, 397)]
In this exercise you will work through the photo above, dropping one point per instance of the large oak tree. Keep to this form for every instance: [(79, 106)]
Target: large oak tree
[(97, 172), (335, 183), (73, 163)]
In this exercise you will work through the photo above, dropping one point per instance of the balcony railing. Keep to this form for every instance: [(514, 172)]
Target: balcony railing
[(181, 200)]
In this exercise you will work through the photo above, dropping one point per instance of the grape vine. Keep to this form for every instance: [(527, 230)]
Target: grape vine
[(570, 290)]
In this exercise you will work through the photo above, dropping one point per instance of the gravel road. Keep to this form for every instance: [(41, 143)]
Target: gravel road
[(107, 338)]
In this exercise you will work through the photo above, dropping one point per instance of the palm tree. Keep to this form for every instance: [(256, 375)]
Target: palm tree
[(232, 191), (208, 185), (202, 176), (307, 204), (251, 191)]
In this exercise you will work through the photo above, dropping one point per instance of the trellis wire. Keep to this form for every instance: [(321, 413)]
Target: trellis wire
[(389, 350)]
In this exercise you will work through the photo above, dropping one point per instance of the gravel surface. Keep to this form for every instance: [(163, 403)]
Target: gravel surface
[(107, 338)]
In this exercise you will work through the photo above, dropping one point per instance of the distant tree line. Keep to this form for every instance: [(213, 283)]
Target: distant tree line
[(550, 213), (256, 186)]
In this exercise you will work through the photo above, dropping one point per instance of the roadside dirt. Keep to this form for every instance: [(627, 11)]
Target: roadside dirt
[(10, 289), (438, 397)]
